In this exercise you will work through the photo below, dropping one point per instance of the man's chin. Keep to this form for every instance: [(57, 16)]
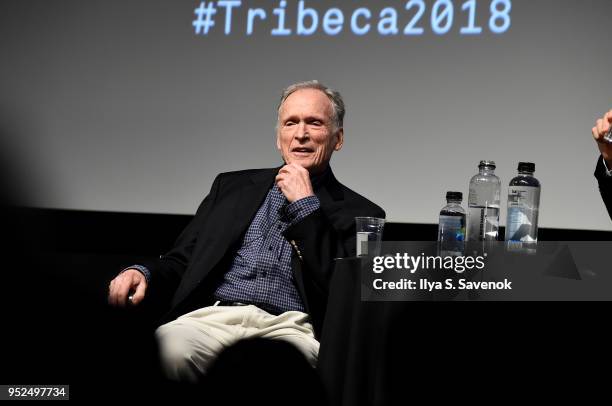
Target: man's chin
[(304, 163)]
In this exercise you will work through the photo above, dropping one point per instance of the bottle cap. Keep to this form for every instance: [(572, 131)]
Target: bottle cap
[(526, 167), (454, 196), (487, 163)]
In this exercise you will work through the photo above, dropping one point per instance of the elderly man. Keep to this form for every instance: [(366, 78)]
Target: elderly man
[(603, 171), (256, 259)]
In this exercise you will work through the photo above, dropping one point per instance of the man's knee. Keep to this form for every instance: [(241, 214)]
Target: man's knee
[(178, 353)]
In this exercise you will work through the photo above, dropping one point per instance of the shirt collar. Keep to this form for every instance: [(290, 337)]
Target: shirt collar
[(320, 179)]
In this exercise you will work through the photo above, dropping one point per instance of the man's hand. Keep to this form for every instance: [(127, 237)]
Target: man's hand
[(601, 128), (294, 181), (126, 282)]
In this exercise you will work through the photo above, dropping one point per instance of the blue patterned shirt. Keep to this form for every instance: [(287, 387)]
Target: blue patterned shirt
[(261, 271)]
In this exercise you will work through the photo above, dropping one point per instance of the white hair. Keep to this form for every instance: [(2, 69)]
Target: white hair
[(334, 97)]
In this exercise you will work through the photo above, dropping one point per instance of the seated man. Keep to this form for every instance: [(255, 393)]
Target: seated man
[(603, 171), (257, 258)]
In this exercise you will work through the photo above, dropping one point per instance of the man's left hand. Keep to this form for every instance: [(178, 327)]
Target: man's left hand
[(294, 181)]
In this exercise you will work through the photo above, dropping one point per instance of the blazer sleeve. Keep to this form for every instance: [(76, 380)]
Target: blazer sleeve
[(168, 269), (605, 185)]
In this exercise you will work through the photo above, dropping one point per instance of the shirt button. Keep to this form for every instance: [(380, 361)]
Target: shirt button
[(270, 248), (264, 274), (279, 227)]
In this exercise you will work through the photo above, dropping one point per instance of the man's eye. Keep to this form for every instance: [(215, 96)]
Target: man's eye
[(316, 123), (289, 123)]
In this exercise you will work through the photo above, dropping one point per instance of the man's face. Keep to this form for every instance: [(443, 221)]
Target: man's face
[(305, 130)]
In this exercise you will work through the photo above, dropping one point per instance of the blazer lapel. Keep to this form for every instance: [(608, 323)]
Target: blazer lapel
[(331, 196), (250, 199)]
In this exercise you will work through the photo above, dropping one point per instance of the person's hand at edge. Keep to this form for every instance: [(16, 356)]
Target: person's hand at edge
[(602, 126)]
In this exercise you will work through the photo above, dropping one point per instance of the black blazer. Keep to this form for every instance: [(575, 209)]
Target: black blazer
[(605, 185), (192, 270)]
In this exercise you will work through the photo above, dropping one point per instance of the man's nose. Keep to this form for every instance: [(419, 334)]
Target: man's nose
[(302, 132)]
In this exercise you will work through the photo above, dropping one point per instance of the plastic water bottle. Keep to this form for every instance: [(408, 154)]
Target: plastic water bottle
[(523, 206), (483, 204), (451, 227)]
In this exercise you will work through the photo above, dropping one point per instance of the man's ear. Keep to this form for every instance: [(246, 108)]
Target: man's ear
[(339, 139)]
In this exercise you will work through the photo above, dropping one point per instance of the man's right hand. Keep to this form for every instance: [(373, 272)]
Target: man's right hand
[(601, 128), (126, 282)]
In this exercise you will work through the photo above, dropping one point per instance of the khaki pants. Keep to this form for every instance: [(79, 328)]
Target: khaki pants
[(189, 344)]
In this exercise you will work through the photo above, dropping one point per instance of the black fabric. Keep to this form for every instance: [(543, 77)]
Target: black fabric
[(397, 353), (353, 342), (257, 371), (605, 185), (202, 253)]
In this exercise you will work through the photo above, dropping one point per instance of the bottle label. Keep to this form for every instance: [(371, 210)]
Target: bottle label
[(523, 207), (451, 236), (451, 228)]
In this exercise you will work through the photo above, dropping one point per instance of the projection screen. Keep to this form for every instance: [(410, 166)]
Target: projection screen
[(135, 106)]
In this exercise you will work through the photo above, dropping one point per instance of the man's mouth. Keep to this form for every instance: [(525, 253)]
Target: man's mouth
[(302, 151)]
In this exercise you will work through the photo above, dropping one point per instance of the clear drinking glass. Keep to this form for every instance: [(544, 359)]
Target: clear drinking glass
[(369, 229)]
